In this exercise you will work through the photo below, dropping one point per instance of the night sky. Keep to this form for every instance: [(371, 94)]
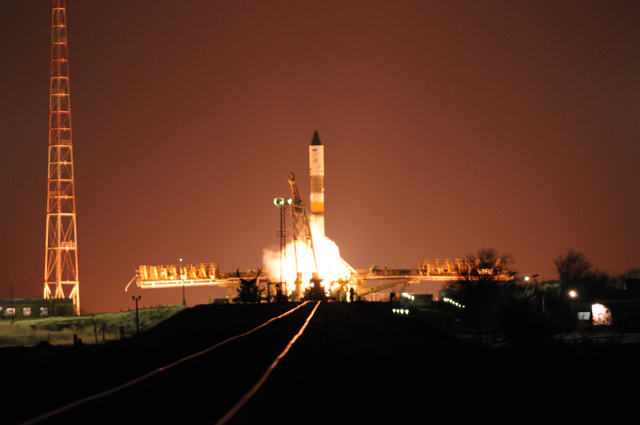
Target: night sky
[(448, 126)]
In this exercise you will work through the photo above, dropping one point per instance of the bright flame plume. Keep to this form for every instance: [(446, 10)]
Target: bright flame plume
[(331, 267)]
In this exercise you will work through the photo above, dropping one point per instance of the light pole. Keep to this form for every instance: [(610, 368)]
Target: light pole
[(13, 310), (184, 300), (137, 320), (527, 279), (282, 205)]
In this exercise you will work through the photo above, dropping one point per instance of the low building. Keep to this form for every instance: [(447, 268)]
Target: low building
[(615, 308), (23, 308)]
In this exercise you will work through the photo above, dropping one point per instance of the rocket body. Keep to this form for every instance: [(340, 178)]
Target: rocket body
[(316, 173)]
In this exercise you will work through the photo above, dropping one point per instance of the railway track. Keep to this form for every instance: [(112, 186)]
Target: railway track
[(212, 385)]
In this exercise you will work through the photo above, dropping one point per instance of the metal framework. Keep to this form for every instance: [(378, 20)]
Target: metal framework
[(61, 254), (172, 275), (201, 274), (302, 238), (282, 205)]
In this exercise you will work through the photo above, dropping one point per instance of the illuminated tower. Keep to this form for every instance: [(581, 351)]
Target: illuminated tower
[(61, 255), (304, 250), (316, 174)]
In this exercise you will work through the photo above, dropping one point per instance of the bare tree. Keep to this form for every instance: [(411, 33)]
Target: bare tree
[(631, 274), (479, 290), (572, 267), (489, 264)]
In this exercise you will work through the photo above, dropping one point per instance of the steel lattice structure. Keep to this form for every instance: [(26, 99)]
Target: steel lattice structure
[(61, 256), (302, 237)]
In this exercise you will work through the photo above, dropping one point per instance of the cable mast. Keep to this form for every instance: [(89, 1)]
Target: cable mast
[(302, 238), (61, 255)]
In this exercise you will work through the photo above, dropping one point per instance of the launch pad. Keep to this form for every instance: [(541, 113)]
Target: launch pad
[(364, 281), (310, 254)]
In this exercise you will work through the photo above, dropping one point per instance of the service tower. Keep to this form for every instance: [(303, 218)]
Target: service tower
[(316, 172), (61, 257)]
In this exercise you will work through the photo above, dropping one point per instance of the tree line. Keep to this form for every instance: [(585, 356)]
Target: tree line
[(494, 304)]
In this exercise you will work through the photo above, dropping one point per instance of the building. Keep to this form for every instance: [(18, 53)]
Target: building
[(22, 308)]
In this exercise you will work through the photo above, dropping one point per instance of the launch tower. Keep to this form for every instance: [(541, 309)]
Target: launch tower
[(302, 237), (61, 255)]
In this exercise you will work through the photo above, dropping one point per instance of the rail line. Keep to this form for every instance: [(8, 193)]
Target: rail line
[(131, 383), (231, 413)]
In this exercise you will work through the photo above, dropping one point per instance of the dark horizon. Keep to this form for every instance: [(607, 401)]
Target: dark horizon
[(447, 127)]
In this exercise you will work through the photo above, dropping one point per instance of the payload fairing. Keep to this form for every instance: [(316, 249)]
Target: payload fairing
[(316, 173)]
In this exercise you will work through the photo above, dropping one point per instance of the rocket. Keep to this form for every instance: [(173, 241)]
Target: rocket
[(316, 173)]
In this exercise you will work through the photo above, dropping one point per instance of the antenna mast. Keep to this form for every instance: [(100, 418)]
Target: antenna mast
[(61, 255)]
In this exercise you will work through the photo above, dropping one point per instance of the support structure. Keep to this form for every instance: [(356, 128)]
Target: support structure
[(302, 237), (282, 205), (61, 255)]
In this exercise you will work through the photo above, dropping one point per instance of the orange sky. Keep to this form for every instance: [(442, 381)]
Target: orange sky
[(448, 127)]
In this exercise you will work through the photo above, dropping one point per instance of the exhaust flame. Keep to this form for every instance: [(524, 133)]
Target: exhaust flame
[(331, 267)]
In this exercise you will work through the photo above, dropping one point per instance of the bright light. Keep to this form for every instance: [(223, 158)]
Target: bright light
[(331, 267), (449, 300), (601, 315), (573, 294)]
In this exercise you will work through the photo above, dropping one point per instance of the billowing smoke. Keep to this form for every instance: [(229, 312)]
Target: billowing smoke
[(331, 267)]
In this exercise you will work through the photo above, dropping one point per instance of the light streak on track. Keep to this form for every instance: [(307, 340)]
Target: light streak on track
[(261, 381), (164, 368)]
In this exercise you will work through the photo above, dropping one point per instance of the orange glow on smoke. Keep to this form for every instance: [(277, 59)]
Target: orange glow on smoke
[(331, 267)]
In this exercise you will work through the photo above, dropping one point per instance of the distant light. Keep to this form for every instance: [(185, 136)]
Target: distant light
[(449, 300), (573, 294), (280, 202), (526, 278)]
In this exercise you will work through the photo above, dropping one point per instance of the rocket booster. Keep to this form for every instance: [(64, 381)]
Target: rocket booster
[(316, 173)]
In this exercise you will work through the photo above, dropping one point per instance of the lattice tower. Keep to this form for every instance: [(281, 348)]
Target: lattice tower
[(302, 238), (61, 256)]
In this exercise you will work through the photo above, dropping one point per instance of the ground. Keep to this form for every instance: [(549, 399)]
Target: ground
[(101, 326), (355, 363)]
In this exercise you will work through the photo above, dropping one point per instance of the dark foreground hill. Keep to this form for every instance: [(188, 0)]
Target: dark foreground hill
[(354, 363)]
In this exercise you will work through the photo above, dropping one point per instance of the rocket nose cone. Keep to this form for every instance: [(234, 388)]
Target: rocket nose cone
[(316, 139)]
